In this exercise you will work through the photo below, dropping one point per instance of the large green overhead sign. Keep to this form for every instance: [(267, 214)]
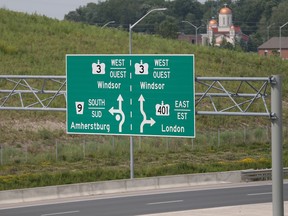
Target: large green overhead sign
[(143, 95)]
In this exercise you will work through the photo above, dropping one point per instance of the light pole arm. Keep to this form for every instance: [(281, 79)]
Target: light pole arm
[(155, 9), (190, 24), (284, 25), (107, 24), (196, 29), (132, 26)]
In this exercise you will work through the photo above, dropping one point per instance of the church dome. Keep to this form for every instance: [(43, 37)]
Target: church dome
[(225, 10), (213, 23)]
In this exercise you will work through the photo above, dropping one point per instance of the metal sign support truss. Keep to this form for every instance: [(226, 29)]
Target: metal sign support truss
[(239, 97), (228, 96), (34, 93)]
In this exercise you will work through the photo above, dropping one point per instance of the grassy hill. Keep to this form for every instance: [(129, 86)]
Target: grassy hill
[(32, 44), (37, 45)]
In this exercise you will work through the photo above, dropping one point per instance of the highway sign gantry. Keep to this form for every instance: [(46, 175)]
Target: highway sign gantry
[(141, 95)]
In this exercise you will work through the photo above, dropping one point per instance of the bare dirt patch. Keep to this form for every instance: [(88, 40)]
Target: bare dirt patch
[(28, 125)]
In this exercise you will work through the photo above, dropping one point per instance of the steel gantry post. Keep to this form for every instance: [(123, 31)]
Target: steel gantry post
[(276, 146), (214, 88)]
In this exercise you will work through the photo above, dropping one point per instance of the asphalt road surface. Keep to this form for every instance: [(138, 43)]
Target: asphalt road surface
[(151, 203)]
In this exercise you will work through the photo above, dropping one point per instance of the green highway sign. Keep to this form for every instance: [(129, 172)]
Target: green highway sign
[(143, 95)]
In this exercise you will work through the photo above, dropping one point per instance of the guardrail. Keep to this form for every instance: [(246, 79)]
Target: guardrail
[(260, 175)]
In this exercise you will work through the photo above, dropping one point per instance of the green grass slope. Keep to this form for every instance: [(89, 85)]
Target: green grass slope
[(32, 44), (37, 45)]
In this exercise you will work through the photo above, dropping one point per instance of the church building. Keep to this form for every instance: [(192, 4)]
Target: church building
[(223, 29)]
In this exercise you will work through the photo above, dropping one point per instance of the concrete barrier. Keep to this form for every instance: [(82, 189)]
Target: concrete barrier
[(142, 184), (117, 186)]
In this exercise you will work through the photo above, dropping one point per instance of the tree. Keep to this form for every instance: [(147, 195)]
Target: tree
[(247, 14), (181, 8), (266, 27), (226, 45), (254, 42), (73, 16), (168, 28), (279, 17), (253, 17), (243, 45)]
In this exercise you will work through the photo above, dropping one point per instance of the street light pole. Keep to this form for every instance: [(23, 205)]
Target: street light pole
[(132, 26), (130, 52), (196, 29), (280, 40)]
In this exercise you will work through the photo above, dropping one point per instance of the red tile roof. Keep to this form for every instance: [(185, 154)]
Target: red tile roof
[(237, 31)]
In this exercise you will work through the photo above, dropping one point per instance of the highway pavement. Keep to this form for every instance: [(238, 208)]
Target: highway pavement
[(263, 209), (183, 201)]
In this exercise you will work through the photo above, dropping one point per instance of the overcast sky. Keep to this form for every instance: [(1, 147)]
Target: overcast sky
[(51, 8)]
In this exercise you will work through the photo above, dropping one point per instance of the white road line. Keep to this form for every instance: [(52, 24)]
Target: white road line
[(259, 194), (165, 202), (61, 213)]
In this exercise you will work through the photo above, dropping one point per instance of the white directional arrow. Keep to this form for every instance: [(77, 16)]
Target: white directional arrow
[(112, 110), (120, 100), (151, 121), (145, 121), (141, 99)]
